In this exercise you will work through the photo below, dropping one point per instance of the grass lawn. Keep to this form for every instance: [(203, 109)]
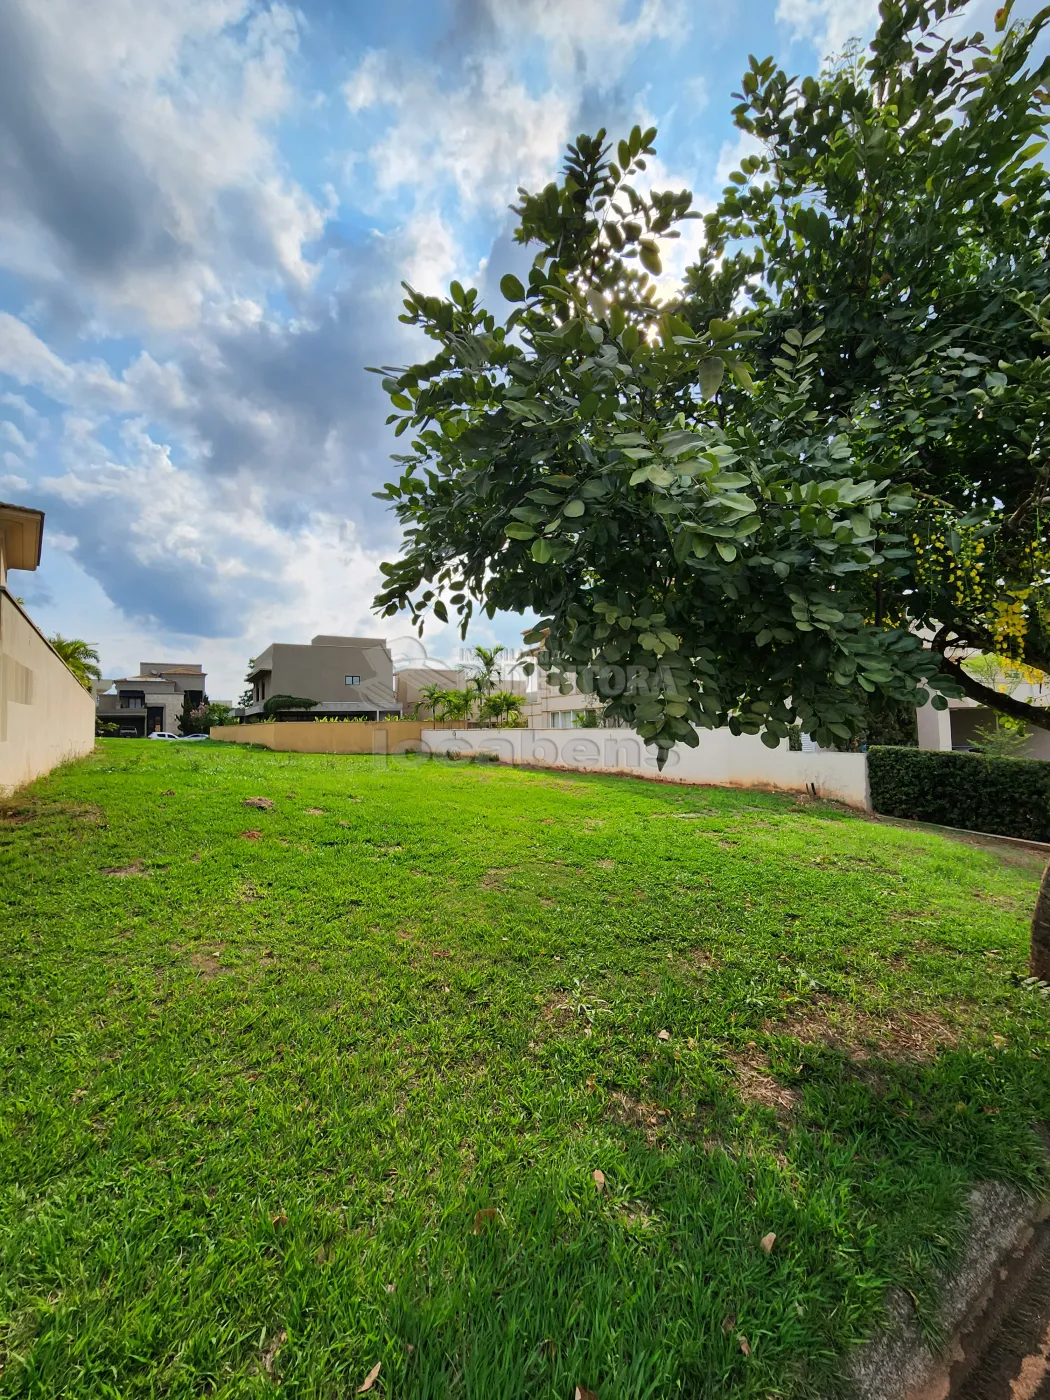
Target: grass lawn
[(289, 1093)]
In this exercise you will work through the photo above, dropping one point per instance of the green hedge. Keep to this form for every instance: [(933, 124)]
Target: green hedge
[(1007, 796)]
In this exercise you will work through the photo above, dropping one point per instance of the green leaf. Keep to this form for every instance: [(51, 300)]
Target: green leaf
[(726, 550), (519, 531), (542, 551), (574, 509), (709, 373), (650, 258), (511, 287), (770, 740), (742, 375)]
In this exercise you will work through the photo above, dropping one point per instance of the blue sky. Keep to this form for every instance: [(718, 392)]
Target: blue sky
[(206, 211)]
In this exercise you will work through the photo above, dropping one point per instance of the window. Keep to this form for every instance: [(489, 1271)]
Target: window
[(563, 719), (353, 680)]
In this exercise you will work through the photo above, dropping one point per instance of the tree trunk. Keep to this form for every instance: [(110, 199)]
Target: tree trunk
[(1039, 957)]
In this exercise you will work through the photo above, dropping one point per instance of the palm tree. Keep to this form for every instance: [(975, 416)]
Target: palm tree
[(486, 663), (456, 705), (80, 657), (502, 704), (430, 698)]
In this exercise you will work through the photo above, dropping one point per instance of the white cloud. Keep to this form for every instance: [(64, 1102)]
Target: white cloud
[(483, 138), (140, 153), (829, 24)]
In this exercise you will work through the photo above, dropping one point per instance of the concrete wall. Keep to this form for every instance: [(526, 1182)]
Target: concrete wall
[(46, 717), (388, 736), (719, 760)]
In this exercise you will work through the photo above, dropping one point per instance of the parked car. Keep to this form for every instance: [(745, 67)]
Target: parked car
[(162, 734), (192, 738)]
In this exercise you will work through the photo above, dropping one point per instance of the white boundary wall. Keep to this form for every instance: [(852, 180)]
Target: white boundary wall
[(720, 759)]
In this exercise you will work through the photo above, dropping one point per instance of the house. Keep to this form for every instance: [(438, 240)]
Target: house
[(152, 700), (348, 677), (957, 726), (410, 682), (46, 715)]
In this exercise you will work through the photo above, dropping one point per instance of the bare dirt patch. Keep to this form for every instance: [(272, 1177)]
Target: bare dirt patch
[(605, 864), (646, 1118), (124, 872), (897, 1035), (314, 811), (253, 836), (263, 804), (758, 1087), (494, 877), (207, 964)]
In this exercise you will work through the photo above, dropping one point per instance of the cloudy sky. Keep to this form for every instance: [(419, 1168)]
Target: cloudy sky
[(206, 210)]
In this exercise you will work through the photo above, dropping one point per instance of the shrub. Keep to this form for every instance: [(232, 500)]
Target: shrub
[(486, 756), (1008, 797), (277, 703)]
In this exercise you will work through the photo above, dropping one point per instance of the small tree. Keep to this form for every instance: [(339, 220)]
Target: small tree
[(81, 658), (502, 705), (194, 718), (457, 705), (430, 699), (486, 666)]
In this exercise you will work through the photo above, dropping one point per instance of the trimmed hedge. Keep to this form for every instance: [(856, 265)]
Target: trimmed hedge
[(1006, 796)]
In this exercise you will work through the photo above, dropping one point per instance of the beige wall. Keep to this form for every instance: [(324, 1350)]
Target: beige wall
[(345, 736), (46, 717)]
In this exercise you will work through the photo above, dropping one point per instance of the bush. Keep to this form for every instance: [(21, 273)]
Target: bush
[(1005, 796), (277, 703)]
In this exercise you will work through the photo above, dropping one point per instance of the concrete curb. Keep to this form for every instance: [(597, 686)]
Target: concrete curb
[(901, 1364)]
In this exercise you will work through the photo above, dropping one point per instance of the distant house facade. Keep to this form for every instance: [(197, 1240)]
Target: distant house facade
[(152, 701), (348, 677), (411, 681), (46, 715)]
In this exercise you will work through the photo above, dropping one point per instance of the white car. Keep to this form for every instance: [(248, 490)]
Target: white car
[(193, 738), (162, 734)]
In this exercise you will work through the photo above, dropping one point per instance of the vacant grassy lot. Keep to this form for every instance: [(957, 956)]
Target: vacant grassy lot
[(495, 1078)]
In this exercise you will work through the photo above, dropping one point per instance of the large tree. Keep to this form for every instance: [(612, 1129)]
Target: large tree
[(721, 507), (898, 199)]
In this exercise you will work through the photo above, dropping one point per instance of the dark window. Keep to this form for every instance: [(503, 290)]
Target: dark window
[(353, 680), (132, 699)]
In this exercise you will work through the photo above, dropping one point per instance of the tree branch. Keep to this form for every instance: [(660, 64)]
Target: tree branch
[(1039, 715)]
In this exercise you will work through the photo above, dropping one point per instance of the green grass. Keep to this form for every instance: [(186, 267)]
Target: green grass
[(256, 1094)]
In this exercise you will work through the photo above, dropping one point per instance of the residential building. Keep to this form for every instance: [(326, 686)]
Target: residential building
[(547, 708), (152, 700), (957, 726), (348, 677), (410, 682), (46, 715)]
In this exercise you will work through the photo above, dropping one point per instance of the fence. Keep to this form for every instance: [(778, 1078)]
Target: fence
[(358, 736), (718, 760)]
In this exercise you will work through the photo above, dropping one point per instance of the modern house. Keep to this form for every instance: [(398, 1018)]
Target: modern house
[(46, 715), (411, 681), (957, 727), (348, 677), (151, 701)]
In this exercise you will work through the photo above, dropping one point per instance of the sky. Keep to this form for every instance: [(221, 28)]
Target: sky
[(206, 212)]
